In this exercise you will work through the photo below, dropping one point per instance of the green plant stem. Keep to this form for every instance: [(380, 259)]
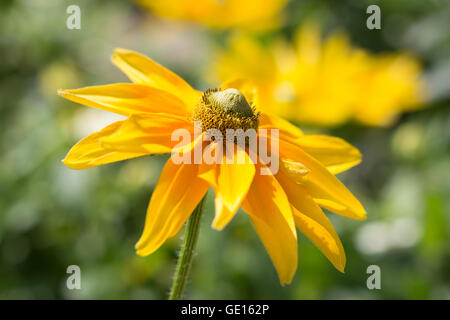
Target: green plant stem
[(186, 253)]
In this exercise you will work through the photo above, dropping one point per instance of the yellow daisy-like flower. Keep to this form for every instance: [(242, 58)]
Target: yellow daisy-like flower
[(159, 102), (217, 14), (325, 82)]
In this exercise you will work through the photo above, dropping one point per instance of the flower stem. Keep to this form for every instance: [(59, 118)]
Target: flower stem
[(186, 253)]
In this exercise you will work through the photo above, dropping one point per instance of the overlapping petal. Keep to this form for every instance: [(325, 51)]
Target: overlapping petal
[(270, 121), (171, 205), (143, 70), (271, 214), (311, 220), (334, 153), (321, 183), (89, 152), (127, 98), (319, 230), (149, 133), (233, 182)]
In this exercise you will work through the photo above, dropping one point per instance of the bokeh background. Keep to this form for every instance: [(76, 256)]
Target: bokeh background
[(52, 217)]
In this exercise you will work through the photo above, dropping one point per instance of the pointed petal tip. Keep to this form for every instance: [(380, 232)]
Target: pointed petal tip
[(359, 214), (73, 164), (121, 50), (287, 276), (141, 250), (117, 52), (285, 282), (65, 92), (362, 214), (216, 225), (340, 266), (357, 152), (69, 165), (141, 253)]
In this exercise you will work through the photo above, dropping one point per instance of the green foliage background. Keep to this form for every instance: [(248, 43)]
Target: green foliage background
[(52, 217)]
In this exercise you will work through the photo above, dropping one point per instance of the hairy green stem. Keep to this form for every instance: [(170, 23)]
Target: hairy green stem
[(186, 253)]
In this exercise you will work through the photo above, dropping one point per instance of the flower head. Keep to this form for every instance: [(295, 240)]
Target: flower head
[(217, 14), (325, 82), (158, 102), (225, 109)]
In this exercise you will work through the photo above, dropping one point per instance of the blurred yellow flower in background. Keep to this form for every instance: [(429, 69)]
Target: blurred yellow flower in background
[(159, 102), (324, 82), (391, 85), (220, 14)]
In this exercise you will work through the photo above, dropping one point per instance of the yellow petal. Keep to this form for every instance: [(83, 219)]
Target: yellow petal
[(171, 204), (271, 214), (323, 200), (320, 231), (141, 69), (311, 220), (233, 181), (150, 133), (334, 153), (271, 121), (89, 152), (295, 169), (320, 183), (208, 173), (127, 98)]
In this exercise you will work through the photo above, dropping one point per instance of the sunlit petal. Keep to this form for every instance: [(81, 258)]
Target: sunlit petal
[(271, 121), (233, 181), (171, 205), (311, 220), (141, 69), (321, 183), (271, 214), (127, 98), (150, 133), (334, 153), (89, 152)]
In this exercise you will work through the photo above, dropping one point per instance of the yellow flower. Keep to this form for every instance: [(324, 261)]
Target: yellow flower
[(325, 82), (220, 14), (390, 86), (159, 102)]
